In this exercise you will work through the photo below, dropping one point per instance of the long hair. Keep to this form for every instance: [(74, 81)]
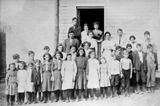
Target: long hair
[(50, 57), (58, 52)]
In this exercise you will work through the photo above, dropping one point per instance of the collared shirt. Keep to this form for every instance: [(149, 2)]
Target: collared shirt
[(140, 56)]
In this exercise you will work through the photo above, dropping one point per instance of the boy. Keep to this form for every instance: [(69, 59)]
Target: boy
[(114, 72), (31, 55), (126, 74), (152, 66), (130, 56), (139, 67)]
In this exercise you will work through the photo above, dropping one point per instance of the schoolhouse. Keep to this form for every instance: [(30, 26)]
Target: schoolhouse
[(32, 24)]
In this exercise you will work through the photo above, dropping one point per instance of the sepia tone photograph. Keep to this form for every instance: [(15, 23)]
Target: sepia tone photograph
[(79, 52)]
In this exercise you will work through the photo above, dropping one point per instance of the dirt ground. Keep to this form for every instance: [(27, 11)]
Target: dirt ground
[(147, 99)]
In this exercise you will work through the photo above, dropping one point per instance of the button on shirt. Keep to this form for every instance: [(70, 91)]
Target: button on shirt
[(140, 56)]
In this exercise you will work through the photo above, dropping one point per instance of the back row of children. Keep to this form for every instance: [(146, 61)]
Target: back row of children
[(78, 72)]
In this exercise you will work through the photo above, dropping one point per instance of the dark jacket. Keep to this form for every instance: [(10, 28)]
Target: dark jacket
[(36, 76), (136, 61), (67, 44), (77, 32)]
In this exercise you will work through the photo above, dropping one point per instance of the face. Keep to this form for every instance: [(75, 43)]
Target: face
[(132, 40), (58, 56), (73, 49), (37, 64), (139, 48), (47, 57), (129, 49), (92, 55), (86, 46), (31, 56), (147, 36), (21, 66), (71, 35), (69, 57), (12, 67), (90, 34), (96, 26), (81, 52), (74, 22), (150, 49), (120, 33), (60, 48), (125, 55), (103, 60), (30, 66), (86, 28), (118, 51), (107, 36)]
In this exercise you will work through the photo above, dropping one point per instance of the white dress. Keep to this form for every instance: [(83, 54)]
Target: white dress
[(29, 83), (93, 68), (68, 71), (107, 45), (22, 80), (84, 36)]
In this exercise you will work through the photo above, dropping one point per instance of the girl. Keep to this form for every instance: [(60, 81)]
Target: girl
[(133, 42), (68, 71), (114, 70), (81, 62), (11, 84), (30, 83), (84, 35), (86, 45), (93, 74), (104, 77), (98, 36), (60, 48), (22, 82), (126, 65), (46, 77), (46, 50), (57, 83), (92, 41), (36, 79), (152, 66), (73, 52), (107, 46)]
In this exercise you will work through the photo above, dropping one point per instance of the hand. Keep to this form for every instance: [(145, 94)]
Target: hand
[(130, 76), (42, 80), (121, 75)]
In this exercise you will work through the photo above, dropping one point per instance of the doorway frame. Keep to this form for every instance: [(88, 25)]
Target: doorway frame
[(90, 7)]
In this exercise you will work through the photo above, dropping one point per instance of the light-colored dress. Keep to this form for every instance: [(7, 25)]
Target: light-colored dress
[(29, 83), (68, 71), (84, 36), (87, 52), (107, 45), (57, 83), (22, 80), (92, 72), (104, 74), (93, 44)]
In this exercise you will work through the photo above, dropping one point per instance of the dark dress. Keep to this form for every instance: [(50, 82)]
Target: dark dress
[(81, 63), (57, 83), (46, 77)]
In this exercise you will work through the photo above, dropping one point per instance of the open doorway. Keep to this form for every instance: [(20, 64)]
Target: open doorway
[(90, 15)]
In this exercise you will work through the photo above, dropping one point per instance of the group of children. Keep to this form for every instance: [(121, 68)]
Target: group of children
[(78, 74)]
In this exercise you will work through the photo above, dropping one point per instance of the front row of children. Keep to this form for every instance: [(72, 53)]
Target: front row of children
[(85, 76)]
